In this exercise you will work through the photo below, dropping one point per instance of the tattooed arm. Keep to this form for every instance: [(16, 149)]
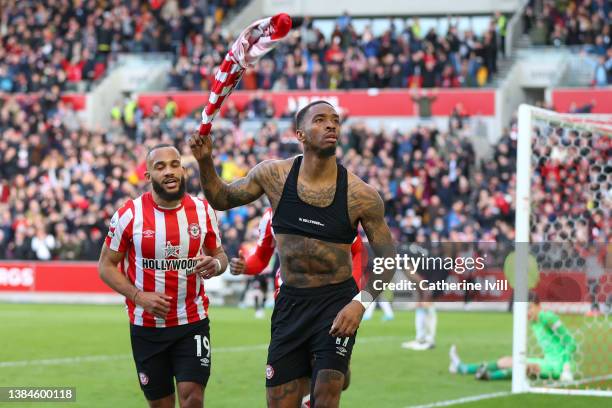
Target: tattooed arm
[(379, 238), (221, 195), (365, 202)]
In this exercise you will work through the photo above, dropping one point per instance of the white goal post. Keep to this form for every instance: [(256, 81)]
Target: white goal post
[(535, 125)]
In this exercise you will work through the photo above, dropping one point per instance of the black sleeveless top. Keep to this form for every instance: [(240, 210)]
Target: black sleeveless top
[(331, 223)]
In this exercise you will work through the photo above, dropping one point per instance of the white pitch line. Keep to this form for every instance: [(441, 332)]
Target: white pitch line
[(507, 393), (113, 357), (463, 400), (586, 380), (62, 361)]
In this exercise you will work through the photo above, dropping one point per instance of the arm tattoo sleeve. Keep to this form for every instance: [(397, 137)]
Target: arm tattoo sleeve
[(379, 236), (223, 196)]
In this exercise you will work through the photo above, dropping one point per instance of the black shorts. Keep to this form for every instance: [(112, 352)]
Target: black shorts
[(300, 344), (261, 282), (162, 354)]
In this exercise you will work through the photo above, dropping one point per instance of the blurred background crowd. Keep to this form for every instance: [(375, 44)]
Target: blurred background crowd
[(62, 42), (60, 183), (61, 186), (348, 58), (581, 25)]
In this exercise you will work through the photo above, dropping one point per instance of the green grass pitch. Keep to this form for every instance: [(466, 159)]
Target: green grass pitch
[(88, 347)]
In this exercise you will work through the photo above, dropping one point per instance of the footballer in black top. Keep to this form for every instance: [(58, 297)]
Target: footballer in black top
[(318, 205)]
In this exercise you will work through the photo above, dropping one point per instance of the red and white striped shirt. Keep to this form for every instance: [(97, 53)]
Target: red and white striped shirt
[(160, 247), (259, 259)]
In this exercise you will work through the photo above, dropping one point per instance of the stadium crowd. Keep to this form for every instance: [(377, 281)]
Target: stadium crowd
[(583, 24), (401, 57), (61, 185), (62, 42), (562, 23)]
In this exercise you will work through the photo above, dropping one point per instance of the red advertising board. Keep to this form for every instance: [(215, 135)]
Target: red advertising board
[(553, 286), (354, 103), (51, 277), (485, 277), (77, 101), (82, 277), (601, 98)]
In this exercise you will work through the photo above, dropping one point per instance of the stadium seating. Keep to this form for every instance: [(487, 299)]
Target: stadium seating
[(66, 42), (61, 186), (348, 58), (575, 23)]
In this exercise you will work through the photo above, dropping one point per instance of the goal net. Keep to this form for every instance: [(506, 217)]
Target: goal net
[(563, 224)]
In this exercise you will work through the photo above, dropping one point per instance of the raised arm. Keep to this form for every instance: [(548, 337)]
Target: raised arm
[(219, 194)]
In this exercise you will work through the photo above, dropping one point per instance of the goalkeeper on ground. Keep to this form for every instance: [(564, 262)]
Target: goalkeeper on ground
[(554, 339)]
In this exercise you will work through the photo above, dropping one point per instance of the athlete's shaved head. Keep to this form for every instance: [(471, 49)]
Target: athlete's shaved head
[(149, 156), (299, 117)]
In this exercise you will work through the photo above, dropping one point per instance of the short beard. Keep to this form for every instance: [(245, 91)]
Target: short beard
[(321, 152), (166, 196), (327, 152)]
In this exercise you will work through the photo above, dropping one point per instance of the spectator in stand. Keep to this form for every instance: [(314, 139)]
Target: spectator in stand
[(349, 59), (501, 23), (73, 180), (72, 43), (561, 23), (603, 70), (586, 108), (65, 42)]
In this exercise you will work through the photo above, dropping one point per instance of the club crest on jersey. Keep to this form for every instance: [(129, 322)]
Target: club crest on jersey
[(269, 372), (144, 379), (171, 250), (194, 230)]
